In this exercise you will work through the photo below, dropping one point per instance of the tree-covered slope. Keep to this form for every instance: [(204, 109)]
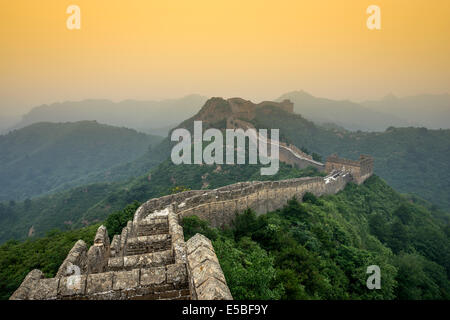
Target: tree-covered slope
[(318, 249), (412, 160), (321, 248), (45, 157), (94, 202)]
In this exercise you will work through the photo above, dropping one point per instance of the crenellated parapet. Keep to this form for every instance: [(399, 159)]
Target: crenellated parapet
[(146, 261), (206, 279), (149, 259), (360, 169), (219, 206)]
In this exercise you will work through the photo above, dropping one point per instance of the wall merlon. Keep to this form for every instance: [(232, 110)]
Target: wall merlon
[(207, 281), (77, 257), (28, 284)]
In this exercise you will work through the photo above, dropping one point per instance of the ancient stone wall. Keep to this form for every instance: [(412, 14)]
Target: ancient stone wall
[(360, 170), (299, 159), (150, 259), (206, 279), (219, 206), (146, 261)]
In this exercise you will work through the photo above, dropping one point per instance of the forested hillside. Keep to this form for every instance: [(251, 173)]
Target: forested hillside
[(92, 203), (46, 157), (411, 160), (317, 249), (321, 248)]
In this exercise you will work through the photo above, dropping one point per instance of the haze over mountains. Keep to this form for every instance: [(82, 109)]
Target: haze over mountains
[(413, 160), (430, 111), (427, 110), (46, 157), (154, 117), (157, 117)]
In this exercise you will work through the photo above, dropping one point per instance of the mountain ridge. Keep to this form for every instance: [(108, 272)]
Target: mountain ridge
[(44, 156), (143, 115)]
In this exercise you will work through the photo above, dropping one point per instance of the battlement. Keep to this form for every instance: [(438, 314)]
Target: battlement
[(360, 169), (150, 259)]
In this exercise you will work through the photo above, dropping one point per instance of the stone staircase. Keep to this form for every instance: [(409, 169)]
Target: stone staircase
[(143, 262), (147, 254)]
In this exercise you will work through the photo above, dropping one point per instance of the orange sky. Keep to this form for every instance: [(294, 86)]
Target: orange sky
[(257, 49)]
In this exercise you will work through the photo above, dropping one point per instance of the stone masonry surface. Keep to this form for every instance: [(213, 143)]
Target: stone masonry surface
[(151, 260)]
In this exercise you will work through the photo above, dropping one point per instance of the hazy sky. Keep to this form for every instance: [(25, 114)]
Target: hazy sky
[(255, 49)]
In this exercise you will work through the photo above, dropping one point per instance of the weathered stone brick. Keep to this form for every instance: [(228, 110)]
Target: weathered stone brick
[(202, 253), (126, 279), (153, 276), (30, 281), (72, 285), (176, 274), (45, 289), (213, 289), (99, 282), (204, 271), (115, 263)]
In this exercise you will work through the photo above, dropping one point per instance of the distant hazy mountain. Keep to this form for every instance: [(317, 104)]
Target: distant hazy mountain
[(344, 113), (431, 111), (6, 121), (48, 156), (155, 117)]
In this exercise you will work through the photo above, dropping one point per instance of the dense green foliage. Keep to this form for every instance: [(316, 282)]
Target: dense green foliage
[(321, 248), (93, 203), (46, 254), (317, 249), (45, 157), (63, 211), (118, 220)]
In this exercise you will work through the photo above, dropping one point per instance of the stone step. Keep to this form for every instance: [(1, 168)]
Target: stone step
[(164, 283), (154, 226), (147, 260), (167, 282), (148, 244)]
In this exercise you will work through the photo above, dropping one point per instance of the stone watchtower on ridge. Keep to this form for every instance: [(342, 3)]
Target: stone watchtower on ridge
[(360, 170)]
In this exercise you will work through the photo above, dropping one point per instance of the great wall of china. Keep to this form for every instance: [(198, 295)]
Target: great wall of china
[(151, 260)]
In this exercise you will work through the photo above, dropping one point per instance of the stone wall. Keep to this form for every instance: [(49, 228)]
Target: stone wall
[(360, 170), (206, 279), (150, 259), (219, 206), (146, 261)]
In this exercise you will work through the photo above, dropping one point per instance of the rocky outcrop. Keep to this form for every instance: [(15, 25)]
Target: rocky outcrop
[(219, 109)]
